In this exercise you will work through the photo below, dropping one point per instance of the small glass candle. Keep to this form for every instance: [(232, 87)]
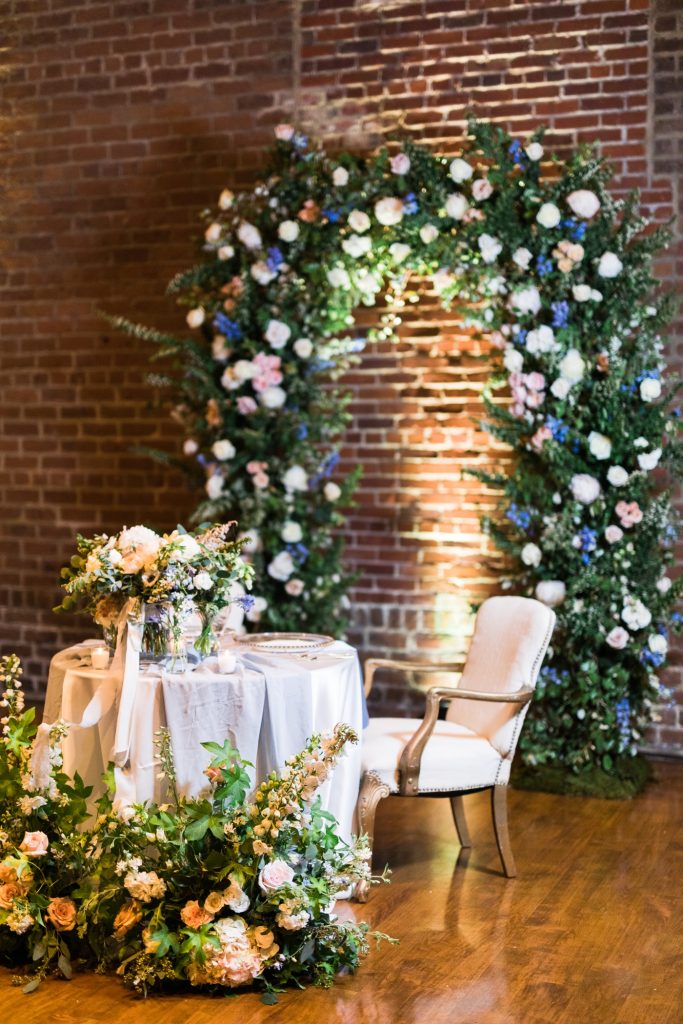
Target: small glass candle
[(227, 662), (99, 657)]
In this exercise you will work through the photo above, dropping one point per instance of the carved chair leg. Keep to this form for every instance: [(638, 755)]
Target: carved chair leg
[(499, 808), (458, 808), (372, 790)]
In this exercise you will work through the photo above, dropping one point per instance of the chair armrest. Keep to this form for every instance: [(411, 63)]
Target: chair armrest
[(372, 664), (411, 756)]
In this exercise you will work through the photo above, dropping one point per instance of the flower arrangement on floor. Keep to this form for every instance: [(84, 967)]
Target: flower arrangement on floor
[(558, 274), (165, 578), (221, 891)]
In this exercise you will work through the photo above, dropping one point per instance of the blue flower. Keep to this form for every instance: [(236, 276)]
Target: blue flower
[(334, 216), (558, 428), (520, 337), (560, 313), (300, 140), (246, 602), (230, 328), (516, 151), (654, 658), (410, 204), (302, 432), (589, 542), (575, 229), (298, 551), (275, 258), (676, 411), (623, 713), (544, 266), (520, 517)]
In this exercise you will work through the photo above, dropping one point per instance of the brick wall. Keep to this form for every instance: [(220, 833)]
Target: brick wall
[(127, 117)]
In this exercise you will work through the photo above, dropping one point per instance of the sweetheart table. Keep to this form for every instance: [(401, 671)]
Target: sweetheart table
[(268, 707)]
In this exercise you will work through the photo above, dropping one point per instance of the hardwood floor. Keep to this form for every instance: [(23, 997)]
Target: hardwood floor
[(591, 932)]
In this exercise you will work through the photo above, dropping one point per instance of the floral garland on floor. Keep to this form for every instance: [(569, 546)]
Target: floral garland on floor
[(558, 274), (221, 891)]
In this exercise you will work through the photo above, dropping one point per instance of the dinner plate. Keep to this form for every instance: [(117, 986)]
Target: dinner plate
[(284, 642)]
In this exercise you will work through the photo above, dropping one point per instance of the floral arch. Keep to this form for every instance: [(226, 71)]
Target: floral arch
[(558, 273)]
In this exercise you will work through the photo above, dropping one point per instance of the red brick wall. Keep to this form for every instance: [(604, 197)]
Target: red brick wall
[(128, 117)]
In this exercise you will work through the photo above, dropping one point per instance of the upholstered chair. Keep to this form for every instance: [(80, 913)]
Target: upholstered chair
[(472, 749)]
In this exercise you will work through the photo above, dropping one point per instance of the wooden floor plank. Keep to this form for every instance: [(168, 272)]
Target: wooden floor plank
[(591, 932)]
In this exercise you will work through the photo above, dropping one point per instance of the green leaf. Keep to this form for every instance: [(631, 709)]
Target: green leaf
[(32, 985), (65, 966), (269, 998)]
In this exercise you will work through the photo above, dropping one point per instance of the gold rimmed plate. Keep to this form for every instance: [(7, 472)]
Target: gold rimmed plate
[(284, 643)]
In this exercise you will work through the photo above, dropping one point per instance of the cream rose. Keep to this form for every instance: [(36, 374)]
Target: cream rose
[(273, 397), (548, 216), (534, 151), (613, 534), (456, 205), (288, 231), (34, 844), (223, 449), (583, 203), (481, 189), (295, 479), (303, 347), (522, 257), (249, 235), (226, 199), (226, 252), (460, 170), (359, 221), (572, 367), (281, 567), (284, 132), (650, 389), (195, 317), (617, 476), (617, 638), (357, 245), (429, 233), (585, 488), (526, 300), (599, 445), (610, 265), (340, 177), (277, 334), (331, 491), (399, 251), (389, 211), (551, 592), (531, 555), (291, 532), (274, 875), (295, 587), (213, 232)]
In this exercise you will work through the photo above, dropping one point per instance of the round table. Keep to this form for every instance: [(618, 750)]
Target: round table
[(268, 707)]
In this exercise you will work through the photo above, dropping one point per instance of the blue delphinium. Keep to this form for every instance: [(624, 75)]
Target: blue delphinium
[(520, 517), (230, 328), (410, 204), (623, 713), (560, 313), (558, 428), (544, 265)]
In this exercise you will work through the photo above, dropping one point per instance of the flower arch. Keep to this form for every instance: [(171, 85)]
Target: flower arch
[(542, 258)]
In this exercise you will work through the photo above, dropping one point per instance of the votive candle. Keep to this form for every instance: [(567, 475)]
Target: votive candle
[(227, 662), (99, 657)]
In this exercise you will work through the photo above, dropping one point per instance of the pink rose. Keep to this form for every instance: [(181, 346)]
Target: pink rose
[(481, 189), (400, 164), (542, 435), (256, 467), (261, 480), (535, 381), (498, 339), (274, 875), (535, 398), (517, 410), (284, 132), (613, 534), (629, 513), (246, 405), (617, 638), (34, 844), (294, 587)]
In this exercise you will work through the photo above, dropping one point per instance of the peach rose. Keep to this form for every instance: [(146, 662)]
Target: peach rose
[(214, 902), (128, 916), (8, 873), (9, 892), (34, 844), (194, 916), (274, 875), (61, 911)]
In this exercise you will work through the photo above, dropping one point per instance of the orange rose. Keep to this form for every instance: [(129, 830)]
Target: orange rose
[(61, 911), (127, 917), (194, 916), (9, 892)]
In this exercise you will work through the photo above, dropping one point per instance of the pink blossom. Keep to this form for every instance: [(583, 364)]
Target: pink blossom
[(613, 534), (34, 844), (246, 405), (481, 189), (256, 467), (629, 513), (498, 339), (261, 480), (267, 371), (617, 638), (400, 164), (517, 410), (535, 398), (535, 381), (274, 875), (542, 435)]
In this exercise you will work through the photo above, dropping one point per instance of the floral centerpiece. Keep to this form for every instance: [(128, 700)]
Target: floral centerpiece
[(222, 891), (163, 579)]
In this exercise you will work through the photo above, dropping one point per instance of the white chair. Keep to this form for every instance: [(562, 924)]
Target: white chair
[(472, 749)]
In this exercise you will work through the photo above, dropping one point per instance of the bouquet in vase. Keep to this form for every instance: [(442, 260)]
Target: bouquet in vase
[(159, 579)]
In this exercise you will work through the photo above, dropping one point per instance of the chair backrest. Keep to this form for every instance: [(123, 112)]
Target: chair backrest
[(511, 636)]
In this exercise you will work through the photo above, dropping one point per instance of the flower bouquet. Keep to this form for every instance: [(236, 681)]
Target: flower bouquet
[(161, 579), (221, 891)]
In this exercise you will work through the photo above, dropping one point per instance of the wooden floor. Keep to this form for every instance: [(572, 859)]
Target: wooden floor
[(591, 932)]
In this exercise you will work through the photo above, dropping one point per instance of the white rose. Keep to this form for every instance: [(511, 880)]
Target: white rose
[(243, 369), (635, 614), (613, 534), (340, 177), (214, 486), (359, 221), (526, 300), (203, 581), (226, 199), (551, 592), (456, 205), (617, 638), (389, 211), (272, 397), (650, 389), (534, 151), (249, 236), (195, 317), (223, 449), (339, 278), (291, 532), (617, 476), (303, 347), (190, 446), (428, 233), (657, 643), (583, 203), (277, 333), (513, 360), (542, 339), (282, 566), (664, 585), (226, 252), (213, 232), (581, 292), (187, 547), (599, 446), (641, 442), (522, 257), (489, 247), (585, 488), (357, 245), (399, 251), (649, 460), (295, 479), (288, 231), (531, 554), (572, 367), (262, 273), (460, 170), (549, 216), (610, 265), (596, 296), (295, 587), (560, 388), (331, 491)]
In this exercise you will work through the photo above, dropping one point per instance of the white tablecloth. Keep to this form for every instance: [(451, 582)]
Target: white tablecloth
[(268, 708)]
